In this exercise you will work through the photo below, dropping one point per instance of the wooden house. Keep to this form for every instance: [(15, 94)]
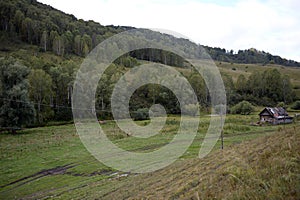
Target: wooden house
[(275, 116)]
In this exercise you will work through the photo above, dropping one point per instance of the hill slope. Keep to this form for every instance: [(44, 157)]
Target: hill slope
[(49, 29), (265, 168), (52, 30)]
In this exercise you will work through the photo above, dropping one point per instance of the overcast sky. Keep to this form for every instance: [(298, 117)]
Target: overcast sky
[(269, 25)]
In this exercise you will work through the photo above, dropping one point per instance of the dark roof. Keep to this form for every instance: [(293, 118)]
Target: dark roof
[(275, 112)]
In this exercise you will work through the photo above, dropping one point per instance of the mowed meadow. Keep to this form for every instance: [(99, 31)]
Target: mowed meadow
[(257, 162)]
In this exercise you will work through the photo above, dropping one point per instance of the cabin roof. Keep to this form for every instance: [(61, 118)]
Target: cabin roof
[(277, 112)]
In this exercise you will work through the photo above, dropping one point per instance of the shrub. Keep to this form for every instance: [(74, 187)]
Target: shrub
[(140, 114), (296, 105), (244, 108), (281, 104), (220, 109), (63, 114), (191, 109)]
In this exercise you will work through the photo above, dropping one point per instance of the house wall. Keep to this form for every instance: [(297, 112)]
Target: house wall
[(286, 121), (275, 121), (266, 118)]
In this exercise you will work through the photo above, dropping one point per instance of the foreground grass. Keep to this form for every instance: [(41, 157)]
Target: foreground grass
[(52, 162), (265, 168)]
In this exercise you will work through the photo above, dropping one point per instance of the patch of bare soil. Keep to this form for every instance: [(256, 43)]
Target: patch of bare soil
[(46, 172)]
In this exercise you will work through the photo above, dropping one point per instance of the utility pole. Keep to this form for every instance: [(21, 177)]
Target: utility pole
[(222, 135), (284, 101)]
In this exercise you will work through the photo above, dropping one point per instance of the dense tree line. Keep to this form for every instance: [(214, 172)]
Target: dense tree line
[(160, 56), (249, 56), (265, 88)]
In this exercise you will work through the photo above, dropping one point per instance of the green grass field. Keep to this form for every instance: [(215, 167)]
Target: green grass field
[(235, 70), (46, 162)]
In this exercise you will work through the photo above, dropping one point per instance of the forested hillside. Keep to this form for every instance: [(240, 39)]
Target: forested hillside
[(50, 45), (52, 30), (250, 56)]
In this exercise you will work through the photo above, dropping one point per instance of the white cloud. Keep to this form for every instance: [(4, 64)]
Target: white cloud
[(273, 26)]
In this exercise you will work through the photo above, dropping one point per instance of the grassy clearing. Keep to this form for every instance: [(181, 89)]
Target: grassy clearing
[(235, 69), (52, 161)]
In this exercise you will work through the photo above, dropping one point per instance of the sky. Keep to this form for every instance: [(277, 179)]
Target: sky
[(269, 25)]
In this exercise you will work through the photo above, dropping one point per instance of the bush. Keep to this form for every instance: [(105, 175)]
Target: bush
[(220, 109), (63, 114), (244, 108), (191, 109), (140, 114), (296, 105), (281, 104)]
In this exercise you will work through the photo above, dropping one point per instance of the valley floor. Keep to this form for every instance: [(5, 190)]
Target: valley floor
[(256, 163)]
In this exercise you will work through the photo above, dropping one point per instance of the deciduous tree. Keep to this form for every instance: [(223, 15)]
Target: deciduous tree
[(40, 92), (15, 108)]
